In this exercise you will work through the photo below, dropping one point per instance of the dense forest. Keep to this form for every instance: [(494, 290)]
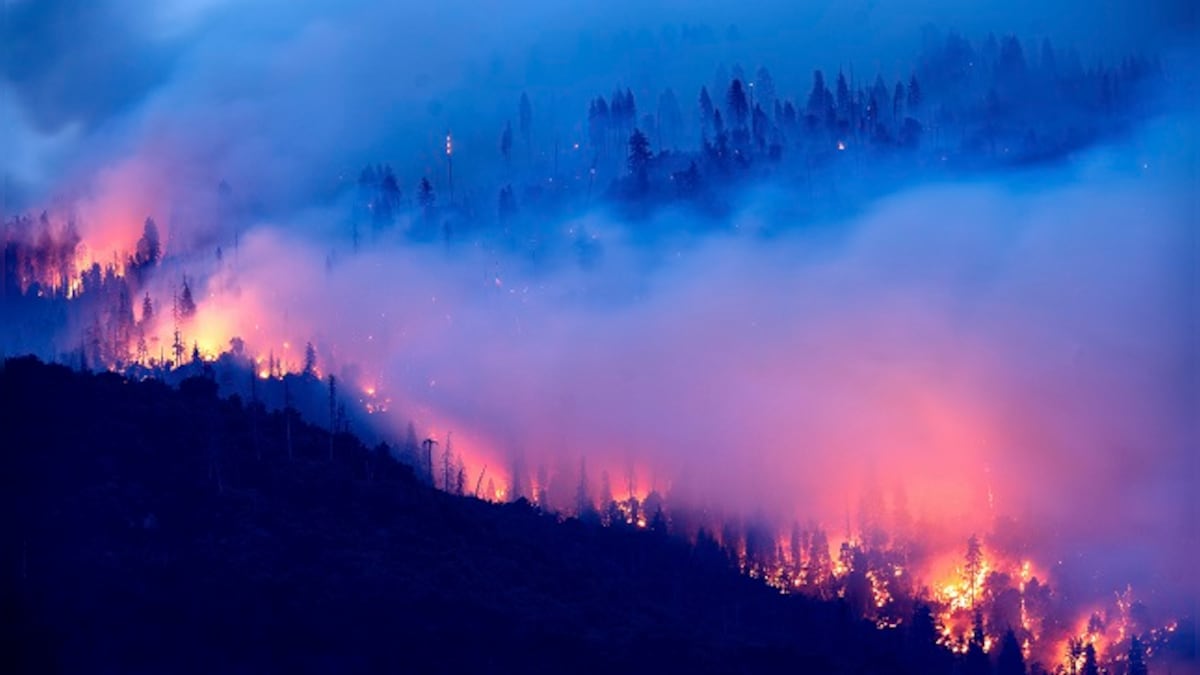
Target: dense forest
[(152, 529), (155, 530), (183, 498)]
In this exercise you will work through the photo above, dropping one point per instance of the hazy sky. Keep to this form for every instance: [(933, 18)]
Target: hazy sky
[(213, 87)]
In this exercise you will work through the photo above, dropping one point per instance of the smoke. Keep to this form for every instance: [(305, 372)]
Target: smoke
[(1019, 345), (196, 91)]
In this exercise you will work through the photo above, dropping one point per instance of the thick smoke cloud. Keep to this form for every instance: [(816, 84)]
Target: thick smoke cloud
[(1021, 344)]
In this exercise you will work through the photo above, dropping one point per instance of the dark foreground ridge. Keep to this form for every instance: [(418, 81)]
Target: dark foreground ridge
[(153, 530)]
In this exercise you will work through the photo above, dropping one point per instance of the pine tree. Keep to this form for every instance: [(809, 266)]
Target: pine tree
[(843, 98), (1010, 660), (332, 412), (149, 247), (706, 112), (425, 195), (639, 159), (187, 305), (310, 359), (147, 310), (977, 660), (1090, 666), (974, 560), (737, 107), (1137, 658), (914, 94), (584, 508)]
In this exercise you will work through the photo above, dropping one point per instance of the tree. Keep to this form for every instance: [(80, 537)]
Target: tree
[(506, 143), (844, 106), (447, 464), (914, 94), (977, 660), (1010, 660), (629, 110), (187, 305), (147, 309), (310, 359), (639, 159), (706, 112), (425, 195), (817, 97), (687, 182), (584, 509), (736, 105), (1090, 666), (1137, 657), (974, 560), (149, 247), (332, 412), (922, 640)]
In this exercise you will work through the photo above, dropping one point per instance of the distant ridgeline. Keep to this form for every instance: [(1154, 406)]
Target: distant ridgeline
[(964, 107)]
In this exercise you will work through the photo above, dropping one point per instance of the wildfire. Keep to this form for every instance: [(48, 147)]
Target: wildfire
[(170, 323)]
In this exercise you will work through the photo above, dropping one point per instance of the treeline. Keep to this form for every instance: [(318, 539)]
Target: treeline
[(963, 105), (51, 286)]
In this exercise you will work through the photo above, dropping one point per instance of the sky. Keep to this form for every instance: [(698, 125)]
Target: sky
[(1020, 342)]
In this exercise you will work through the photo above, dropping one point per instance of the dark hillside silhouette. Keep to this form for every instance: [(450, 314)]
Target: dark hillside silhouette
[(143, 533)]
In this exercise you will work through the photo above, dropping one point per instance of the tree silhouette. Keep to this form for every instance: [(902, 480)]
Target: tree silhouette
[(1137, 657), (149, 247), (332, 412), (706, 112), (977, 661), (639, 160), (1090, 666), (425, 195), (147, 309), (914, 94), (974, 560), (187, 305), (1010, 660), (738, 109), (310, 359)]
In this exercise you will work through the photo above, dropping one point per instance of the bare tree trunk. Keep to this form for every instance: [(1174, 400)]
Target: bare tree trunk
[(479, 483)]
